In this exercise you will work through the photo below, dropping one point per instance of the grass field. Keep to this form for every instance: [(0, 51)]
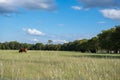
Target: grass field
[(58, 65)]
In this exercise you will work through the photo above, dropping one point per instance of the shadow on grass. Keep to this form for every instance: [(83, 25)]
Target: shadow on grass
[(97, 56)]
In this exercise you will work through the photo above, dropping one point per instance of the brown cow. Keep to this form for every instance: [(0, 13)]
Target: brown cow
[(23, 50)]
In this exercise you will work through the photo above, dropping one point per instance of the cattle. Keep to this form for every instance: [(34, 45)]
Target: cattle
[(22, 50)]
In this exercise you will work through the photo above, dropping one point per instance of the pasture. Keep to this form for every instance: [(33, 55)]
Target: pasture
[(58, 65)]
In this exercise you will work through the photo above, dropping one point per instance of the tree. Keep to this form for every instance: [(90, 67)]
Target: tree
[(77, 44), (83, 45), (105, 40), (0, 45), (38, 46), (14, 45), (64, 47), (93, 44), (50, 41), (115, 39)]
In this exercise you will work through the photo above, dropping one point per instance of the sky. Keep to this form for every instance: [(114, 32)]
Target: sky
[(62, 21)]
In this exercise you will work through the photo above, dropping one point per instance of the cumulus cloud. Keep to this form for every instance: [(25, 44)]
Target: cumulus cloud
[(110, 8), (100, 3), (34, 32), (111, 13), (12, 6), (76, 7), (60, 41)]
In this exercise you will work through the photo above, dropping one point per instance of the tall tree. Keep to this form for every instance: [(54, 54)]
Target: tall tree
[(38, 46), (115, 39), (50, 41), (93, 44), (105, 39)]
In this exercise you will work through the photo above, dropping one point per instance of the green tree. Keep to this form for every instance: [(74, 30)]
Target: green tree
[(14, 45), (38, 46), (93, 44), (83, 45), (115, 39), (105, 40), (0, 45)]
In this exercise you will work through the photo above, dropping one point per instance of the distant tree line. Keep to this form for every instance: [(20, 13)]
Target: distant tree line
[(108, 41)]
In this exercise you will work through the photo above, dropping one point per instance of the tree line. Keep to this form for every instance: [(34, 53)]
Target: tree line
[(108, 41)]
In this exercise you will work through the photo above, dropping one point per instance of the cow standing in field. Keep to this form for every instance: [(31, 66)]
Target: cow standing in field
[(23, 50)]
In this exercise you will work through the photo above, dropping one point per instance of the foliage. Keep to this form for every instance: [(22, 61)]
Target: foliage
[(110, 39)]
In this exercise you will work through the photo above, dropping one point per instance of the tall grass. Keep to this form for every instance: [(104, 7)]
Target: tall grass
[(58, 65)]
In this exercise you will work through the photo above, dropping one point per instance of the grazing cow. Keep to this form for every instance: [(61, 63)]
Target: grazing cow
[(23, 50)]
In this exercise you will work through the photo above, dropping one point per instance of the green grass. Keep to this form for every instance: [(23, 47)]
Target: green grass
[(58, 65)]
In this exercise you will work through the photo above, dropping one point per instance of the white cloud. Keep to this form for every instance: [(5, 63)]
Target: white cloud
[(111, 13), (35, 40), (12, 6), (34, 32), (60, 41), (76, 7)]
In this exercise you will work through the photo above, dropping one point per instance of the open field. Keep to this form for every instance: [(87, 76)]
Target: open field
[(58, 65)]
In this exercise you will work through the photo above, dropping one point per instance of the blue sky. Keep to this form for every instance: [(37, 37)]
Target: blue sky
[(62, 21)]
